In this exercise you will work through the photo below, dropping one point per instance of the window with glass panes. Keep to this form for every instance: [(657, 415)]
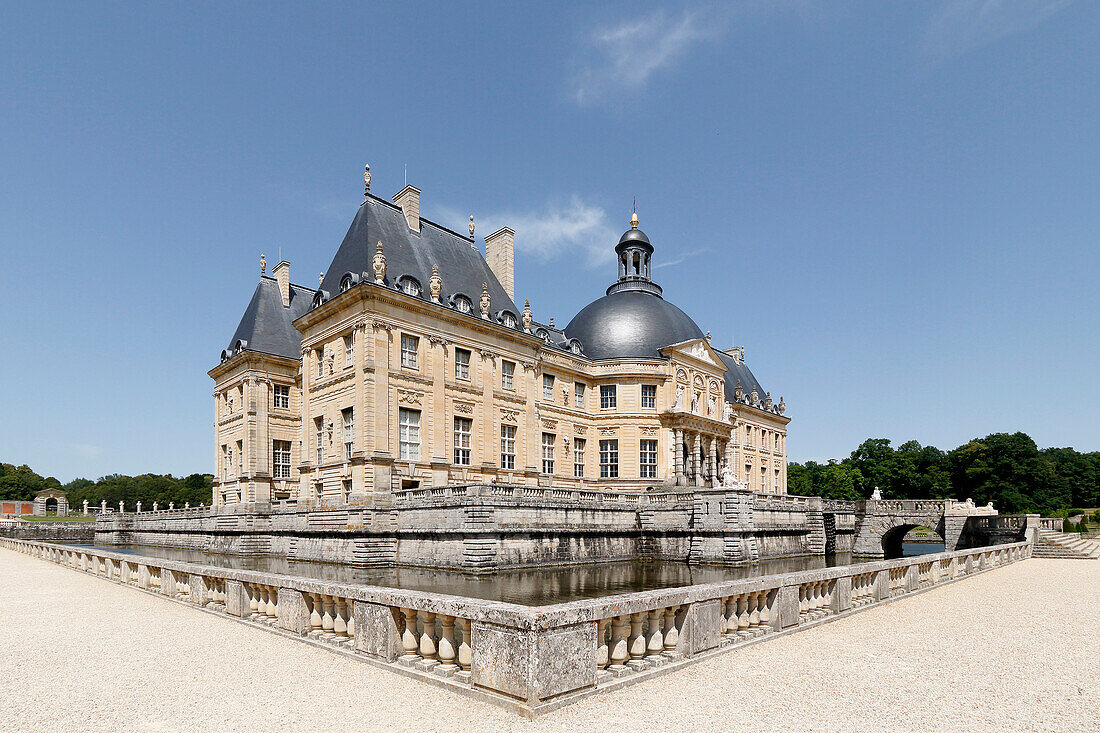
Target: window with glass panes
[(348, 414), (647, 459), (609, 458), (319, 433), (548, 452), (463, 428), (548, 387), (578, 394), (240, 456), (282, 396), (462, 364), (578, 457), (410, 345), (508, 446), (349, 350), (649, 395), (280, 458), (607, 396), (507, 375), (408, 425)]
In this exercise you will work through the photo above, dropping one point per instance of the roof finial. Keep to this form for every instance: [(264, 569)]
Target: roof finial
[(471, 226), (263, 264), (366, 179), (320, 278)]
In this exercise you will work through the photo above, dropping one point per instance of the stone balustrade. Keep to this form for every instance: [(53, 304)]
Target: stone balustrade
[(530, 659)]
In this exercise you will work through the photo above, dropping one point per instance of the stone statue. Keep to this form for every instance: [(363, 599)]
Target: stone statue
[(471, 226), (711, 406), (782, 406), (122, 507), (485, 301), (695, 403), (728, 478), (187, 505), (171, 505), (263, 264), (379, 264), (876, 495), (154, 506), (103, 507), (726, 411), (527, 318), (139, 507), (435, 284), (85, 507), (679, 396), (565, 395)]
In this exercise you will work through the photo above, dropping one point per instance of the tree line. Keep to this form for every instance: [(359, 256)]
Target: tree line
[(22, 483), (1008, 469)]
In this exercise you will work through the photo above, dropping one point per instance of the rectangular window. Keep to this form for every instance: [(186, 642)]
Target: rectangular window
[(463, 428), (320, 363), (609, 459), (548, 387), (282, 396), (548, 451), (225, 462), (348, 414), (607, 397), (349, 350), (462, 364), (578, 394), (647, 459), (280, 452), (507, 375), (319, 430), (763, 479), (346, 486), (508, 446), (649, 395), (410, 345), (777, 441), (240, 457), (578, 457), (408, 434), (748, 473)]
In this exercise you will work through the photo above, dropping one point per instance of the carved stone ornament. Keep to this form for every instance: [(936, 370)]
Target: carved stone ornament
[(767, 400), (580, 429), (263, 264), (782, 406), (379, 264), (380, 325), (509, 416), (438, 341), (714, 386), (681, 376), (754, 397), (647, 430), (409, 397), (527, 318), (485, 302), (738, 392), (435, 284), (609, 431), (366, 179), (464, 408), (550, 424)]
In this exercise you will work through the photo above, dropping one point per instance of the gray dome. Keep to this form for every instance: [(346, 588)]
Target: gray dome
[(630, 324)]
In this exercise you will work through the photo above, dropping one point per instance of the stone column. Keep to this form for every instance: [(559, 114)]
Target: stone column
[(714, 481), (678, 457), (697, 446)]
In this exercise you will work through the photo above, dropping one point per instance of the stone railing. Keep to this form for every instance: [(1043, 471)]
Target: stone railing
[(1053, 524), (530, 659)]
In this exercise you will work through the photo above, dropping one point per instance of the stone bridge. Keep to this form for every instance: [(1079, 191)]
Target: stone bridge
[(879, 526)]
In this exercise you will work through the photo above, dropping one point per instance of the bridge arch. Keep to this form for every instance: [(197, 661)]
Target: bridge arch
[(879, 532), (893, 539)]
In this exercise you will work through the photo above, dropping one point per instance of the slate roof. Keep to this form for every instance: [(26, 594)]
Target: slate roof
[(267, 326), (630, 324), (734, 372), (412, 254)]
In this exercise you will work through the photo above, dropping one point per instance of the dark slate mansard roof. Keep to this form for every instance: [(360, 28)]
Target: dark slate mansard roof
[(267, 326), (739, 371), (408, 253)]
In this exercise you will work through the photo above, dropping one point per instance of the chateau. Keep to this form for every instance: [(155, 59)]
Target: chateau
[(412, 366)]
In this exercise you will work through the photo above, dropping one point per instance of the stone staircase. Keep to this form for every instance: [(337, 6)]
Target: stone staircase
[(1065, 545)]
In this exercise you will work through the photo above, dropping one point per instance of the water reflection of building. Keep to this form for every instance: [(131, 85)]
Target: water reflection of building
[(412, 365)]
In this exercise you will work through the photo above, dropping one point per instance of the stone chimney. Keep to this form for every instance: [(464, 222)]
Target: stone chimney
[(408, 199), (500, 254), (281, 272)]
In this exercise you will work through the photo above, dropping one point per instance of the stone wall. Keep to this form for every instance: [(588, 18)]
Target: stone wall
[(477, 529), (76, 532)]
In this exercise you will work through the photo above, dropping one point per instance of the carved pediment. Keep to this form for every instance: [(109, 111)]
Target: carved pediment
[(697, 350)]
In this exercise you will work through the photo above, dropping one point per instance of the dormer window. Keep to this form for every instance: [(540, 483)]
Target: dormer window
[(409, 286), (462, 304), (346, 284), (543, 334), (508, 320), (575, 347)]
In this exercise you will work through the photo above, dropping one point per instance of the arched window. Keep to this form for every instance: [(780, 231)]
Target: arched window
[(462, 304), (508, 320), (409, 286)]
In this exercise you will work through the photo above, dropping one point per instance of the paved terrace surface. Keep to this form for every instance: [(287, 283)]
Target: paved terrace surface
[(1016, 648)]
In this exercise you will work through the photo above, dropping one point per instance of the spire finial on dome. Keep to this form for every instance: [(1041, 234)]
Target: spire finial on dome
[(263, 264), (471, 226), (634, 220)]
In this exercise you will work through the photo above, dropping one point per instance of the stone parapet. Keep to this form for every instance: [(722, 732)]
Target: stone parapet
[(530, 659)]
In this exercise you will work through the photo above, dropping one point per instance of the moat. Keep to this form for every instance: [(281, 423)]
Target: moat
[(536, 587)]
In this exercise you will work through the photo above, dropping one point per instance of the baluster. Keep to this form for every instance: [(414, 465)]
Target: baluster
[(253, 600), (619, 643), (409, 643), (603, 653), (314, 600), (655, 644), (339, 618), (327, 624), (447, 644), (743, 614), (754, 615), (765, 612), (636, 644), (427, 637), (273, 603), (672, 634), (729, 615), (465, 655), (351, 618)]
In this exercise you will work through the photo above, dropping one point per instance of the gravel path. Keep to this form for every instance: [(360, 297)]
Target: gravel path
[(1015, 649)]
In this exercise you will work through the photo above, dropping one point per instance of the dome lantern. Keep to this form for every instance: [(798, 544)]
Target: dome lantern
[(634, 254)]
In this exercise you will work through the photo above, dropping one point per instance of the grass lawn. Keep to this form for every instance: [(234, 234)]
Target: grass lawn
[(71, 518)]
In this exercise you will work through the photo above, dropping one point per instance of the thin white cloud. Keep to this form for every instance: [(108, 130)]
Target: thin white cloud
[(623, 58), (958, 27), (85, 450), (683, 256), (572, 228)]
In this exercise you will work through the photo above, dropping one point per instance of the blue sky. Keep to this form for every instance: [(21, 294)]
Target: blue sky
[(893, 206)]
